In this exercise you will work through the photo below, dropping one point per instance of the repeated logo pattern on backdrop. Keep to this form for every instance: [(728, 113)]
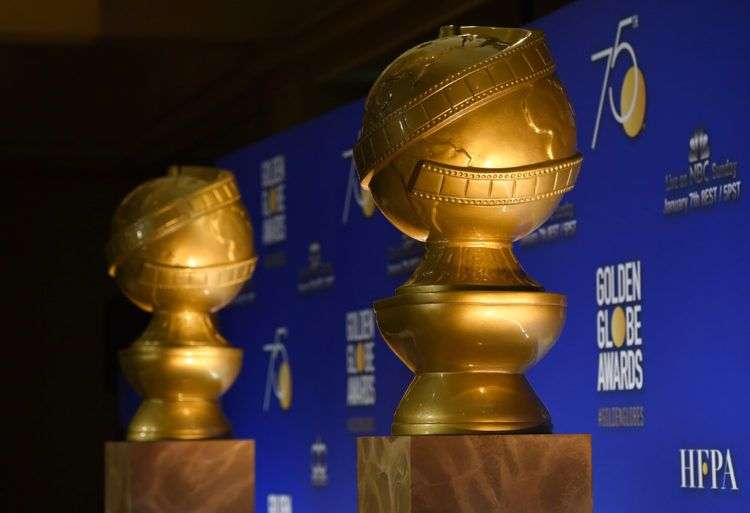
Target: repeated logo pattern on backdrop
[(651, 249)]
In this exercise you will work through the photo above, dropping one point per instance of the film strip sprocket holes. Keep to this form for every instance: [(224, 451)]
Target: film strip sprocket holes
[(166, 277), (488, 187)]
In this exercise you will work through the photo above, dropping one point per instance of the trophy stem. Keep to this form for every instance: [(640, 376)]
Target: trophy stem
[(183, 419), (463, 264), (470, 402), (184, 327)]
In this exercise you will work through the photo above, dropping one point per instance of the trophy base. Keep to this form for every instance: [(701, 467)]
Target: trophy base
[(469, 348), (451, 403), (473, 473), (157, 419), (184, 477)]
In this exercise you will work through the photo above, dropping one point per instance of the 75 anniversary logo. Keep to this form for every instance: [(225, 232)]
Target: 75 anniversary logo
[(632, 109)]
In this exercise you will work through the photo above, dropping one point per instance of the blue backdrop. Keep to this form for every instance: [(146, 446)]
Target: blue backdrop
[(653, 238)]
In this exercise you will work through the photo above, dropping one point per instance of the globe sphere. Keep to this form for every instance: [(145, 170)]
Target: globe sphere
[(182, 241), (470, 135)]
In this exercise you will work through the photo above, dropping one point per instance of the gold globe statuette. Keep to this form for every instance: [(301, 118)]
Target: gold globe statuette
[(182, 248), (468, 143)]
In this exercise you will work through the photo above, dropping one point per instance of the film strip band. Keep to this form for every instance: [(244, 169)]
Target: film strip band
[(520, 63), (489, 187), (221, 192), (166, 277)]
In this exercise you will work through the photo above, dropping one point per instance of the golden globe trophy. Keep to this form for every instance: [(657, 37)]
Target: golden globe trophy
[(468, 143), (181, 247)]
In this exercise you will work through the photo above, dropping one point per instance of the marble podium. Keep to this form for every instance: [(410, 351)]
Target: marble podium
[(216, 476), (474, 474)]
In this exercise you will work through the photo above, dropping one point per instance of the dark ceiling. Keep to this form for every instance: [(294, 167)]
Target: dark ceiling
[(129, 86)]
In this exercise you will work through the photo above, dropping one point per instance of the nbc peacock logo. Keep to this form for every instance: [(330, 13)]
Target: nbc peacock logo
[(699, 149), (631, 111), (279, 373)]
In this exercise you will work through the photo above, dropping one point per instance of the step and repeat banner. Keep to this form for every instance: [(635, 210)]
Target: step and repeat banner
[(651, 249)]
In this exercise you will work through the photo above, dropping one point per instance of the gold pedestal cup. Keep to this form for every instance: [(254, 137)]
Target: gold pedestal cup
[(182, 248), (468, 143)]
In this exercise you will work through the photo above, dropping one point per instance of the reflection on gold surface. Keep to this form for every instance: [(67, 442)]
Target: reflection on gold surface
[(469, 143), (182, 248)]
